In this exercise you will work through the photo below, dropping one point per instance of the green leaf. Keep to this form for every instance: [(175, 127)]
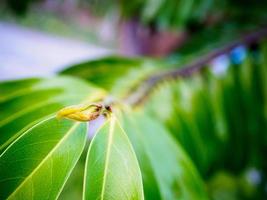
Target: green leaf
[(38, 163), (9, 88), (25, 105), (166, 170), (112, 170), (103, 71), (116, 74)]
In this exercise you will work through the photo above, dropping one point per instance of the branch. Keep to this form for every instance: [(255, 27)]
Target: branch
[(147, 86)]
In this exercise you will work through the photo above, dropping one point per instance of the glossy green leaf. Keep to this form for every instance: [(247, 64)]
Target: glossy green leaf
[(23, 106), (166, 170), (38, 163), (112, 170)]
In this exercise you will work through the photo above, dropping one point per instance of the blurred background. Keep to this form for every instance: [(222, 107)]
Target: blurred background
[(43, 37), (39, 37)]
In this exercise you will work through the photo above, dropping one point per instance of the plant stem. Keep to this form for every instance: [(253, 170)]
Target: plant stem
[(145, 88)]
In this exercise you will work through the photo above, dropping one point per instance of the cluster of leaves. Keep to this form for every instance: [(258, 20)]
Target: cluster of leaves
[(220, 118), (192, 138), (38, 151)]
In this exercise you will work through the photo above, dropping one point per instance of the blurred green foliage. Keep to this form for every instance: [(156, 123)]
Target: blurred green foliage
[(220, 119), (196, 136), (184, 14)]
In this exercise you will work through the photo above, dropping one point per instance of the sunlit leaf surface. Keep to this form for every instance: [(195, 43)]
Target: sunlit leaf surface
[(112, 170), (37, 165)]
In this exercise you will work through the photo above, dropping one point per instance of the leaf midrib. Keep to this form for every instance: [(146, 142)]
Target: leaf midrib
[(110, 139)]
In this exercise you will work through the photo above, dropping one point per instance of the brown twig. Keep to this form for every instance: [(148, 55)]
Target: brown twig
[(147, 85)]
